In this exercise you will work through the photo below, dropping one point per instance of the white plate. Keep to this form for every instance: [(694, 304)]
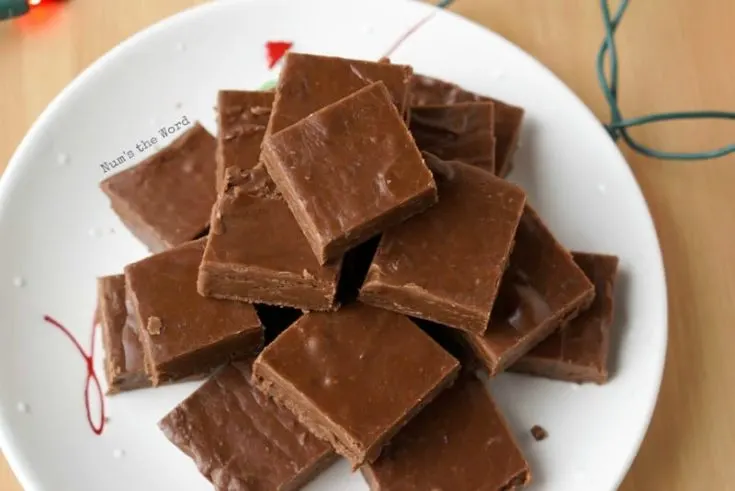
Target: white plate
[(58, 233)]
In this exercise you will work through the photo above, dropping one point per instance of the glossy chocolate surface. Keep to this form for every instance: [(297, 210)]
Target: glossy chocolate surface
[(349, 171), (307, 83), (242, 117), (459, 442), (463, 132), (579, 351), (256, 251), (166, 199), (124, 367), (446, 264), (541, 290), (508, 118), (241, 440), (354, 377), (183, 333)]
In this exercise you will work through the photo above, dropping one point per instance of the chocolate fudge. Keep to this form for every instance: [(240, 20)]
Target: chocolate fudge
[(124, 367), (459, 442), (256, 251), (183, 333), (542, 289), (240, 440), (463, 132), (578, 353), (508, 118), (242, 117), (354, 377), (446, 264), (349, 171), (307, 83), (539, 433), (166, 199)]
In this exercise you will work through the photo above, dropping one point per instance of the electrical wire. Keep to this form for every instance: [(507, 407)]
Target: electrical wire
[(618, 126)]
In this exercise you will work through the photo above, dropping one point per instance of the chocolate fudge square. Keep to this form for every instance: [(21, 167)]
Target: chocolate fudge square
[(459, 442), (464, 132), (579, 351), (242, 117), (124, 367), (166, 199), (183, 333), (256, 251), (542, 290), (446, 264), (240, 440), (354, 377), (508, 118), (307, 83), (349, 171)]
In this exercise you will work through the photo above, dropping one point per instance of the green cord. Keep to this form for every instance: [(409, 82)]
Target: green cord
[(12, 8), (618, 127)]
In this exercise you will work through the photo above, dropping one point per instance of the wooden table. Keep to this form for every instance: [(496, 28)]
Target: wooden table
[(674, 55)]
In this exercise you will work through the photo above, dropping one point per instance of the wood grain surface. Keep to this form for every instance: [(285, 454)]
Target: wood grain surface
[(675, 55)]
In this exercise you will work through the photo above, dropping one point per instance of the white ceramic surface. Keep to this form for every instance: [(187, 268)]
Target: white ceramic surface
[(58, 233)]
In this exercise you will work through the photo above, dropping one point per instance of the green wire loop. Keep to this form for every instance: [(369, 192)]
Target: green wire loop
[(618, 126), (12, 8)]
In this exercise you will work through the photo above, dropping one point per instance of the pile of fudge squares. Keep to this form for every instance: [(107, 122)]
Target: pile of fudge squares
[(342, 260)]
